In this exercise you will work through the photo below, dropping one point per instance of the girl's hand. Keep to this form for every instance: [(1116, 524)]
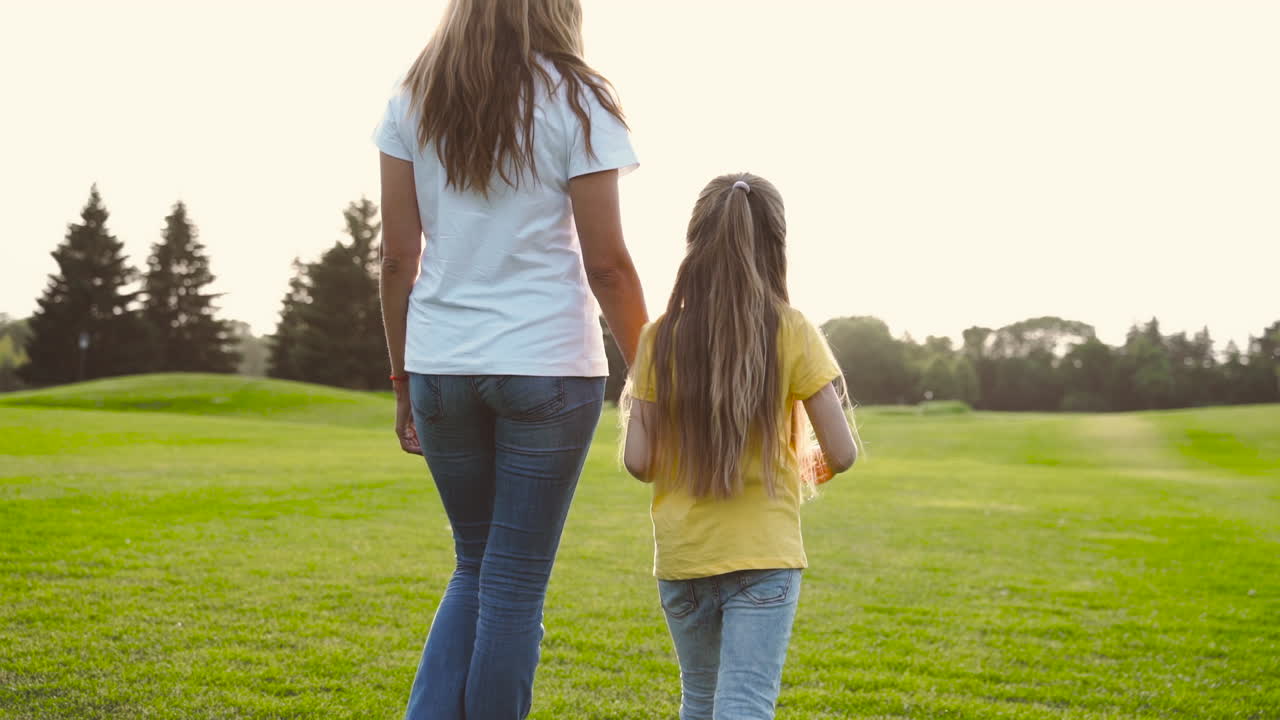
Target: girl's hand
[(818, 466), (406, 433)]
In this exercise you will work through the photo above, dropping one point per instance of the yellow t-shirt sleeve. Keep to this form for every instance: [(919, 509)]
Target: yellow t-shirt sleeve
[(812, 365), (642, 384)]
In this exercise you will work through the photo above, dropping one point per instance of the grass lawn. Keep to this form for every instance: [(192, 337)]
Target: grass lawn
[(197, 547)]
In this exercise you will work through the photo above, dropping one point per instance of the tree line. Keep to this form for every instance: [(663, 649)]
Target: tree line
[(1052, 364), (99, 317)]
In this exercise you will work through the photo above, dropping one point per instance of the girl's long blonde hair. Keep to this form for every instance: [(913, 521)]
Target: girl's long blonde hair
[(475, 85), (715, 353)]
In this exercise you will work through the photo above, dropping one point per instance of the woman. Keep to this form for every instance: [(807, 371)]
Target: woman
[(501, 142)]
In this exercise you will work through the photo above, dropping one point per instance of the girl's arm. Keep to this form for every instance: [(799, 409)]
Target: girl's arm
[(831, 425), (401, 254), (636, 453)]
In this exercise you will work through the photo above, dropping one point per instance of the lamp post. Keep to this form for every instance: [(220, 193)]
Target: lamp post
[(84, 347)]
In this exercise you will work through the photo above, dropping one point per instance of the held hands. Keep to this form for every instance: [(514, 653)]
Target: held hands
[(406, 433)]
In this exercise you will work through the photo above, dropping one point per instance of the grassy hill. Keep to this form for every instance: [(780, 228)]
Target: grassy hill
[(215, 395), (210, 547)]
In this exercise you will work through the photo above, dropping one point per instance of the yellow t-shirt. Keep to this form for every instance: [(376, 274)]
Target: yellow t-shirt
[(699, 537)]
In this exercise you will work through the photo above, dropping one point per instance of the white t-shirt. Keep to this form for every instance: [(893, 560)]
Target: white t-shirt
[(502, 288)]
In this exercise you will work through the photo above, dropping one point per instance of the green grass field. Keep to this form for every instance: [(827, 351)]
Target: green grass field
[(208, 547)]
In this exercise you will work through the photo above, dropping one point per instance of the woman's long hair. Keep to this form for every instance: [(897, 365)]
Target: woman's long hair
[(715, 352), (475, 85)]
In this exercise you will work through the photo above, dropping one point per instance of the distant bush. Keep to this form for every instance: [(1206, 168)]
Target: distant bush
[(934, 407), (944, 407), (13, 355), (1085, 402)]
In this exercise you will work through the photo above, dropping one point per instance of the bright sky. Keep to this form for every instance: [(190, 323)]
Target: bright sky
[(944, 164)]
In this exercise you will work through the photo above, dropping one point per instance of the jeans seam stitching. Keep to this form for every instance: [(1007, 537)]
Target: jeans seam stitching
[(548, 409), (437, 407), (687, 593), (781, 599)]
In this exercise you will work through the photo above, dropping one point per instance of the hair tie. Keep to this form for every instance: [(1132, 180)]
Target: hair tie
[(742, 185)]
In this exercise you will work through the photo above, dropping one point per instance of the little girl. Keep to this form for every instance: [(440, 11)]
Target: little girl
[(718, 401)]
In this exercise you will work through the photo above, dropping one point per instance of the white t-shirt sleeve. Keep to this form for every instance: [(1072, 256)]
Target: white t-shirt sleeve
[(610, 140), (388, 137)]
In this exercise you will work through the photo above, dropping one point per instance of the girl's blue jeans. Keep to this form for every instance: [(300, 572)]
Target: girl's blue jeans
[(505, 453), (731, 633)]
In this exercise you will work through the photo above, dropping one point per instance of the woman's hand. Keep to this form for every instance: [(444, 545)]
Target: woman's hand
[(406, 433)]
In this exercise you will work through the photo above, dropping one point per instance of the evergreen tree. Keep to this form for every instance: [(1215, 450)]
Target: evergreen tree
[(331, 324), (1230, 386), (87, 299), (282, 361), (1192, 365), (186, 334), (1144, 379), (1262, 378)]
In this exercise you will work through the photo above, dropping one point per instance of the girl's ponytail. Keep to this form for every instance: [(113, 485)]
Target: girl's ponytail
[(715, 351)]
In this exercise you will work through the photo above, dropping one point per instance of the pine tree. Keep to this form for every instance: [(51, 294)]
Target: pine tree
[(186, 334), (282, 362), (1262, 379), (87, 300), (365, 230), (1144, 373), (330, 328), (1228, 377)]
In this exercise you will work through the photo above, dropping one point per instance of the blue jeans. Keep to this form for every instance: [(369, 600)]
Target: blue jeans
[(731, 633), (505, 453)]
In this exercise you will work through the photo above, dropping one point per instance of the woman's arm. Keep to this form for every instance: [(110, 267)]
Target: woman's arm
[(401, 255), (609, 268), (635, 454), (831, 425)]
